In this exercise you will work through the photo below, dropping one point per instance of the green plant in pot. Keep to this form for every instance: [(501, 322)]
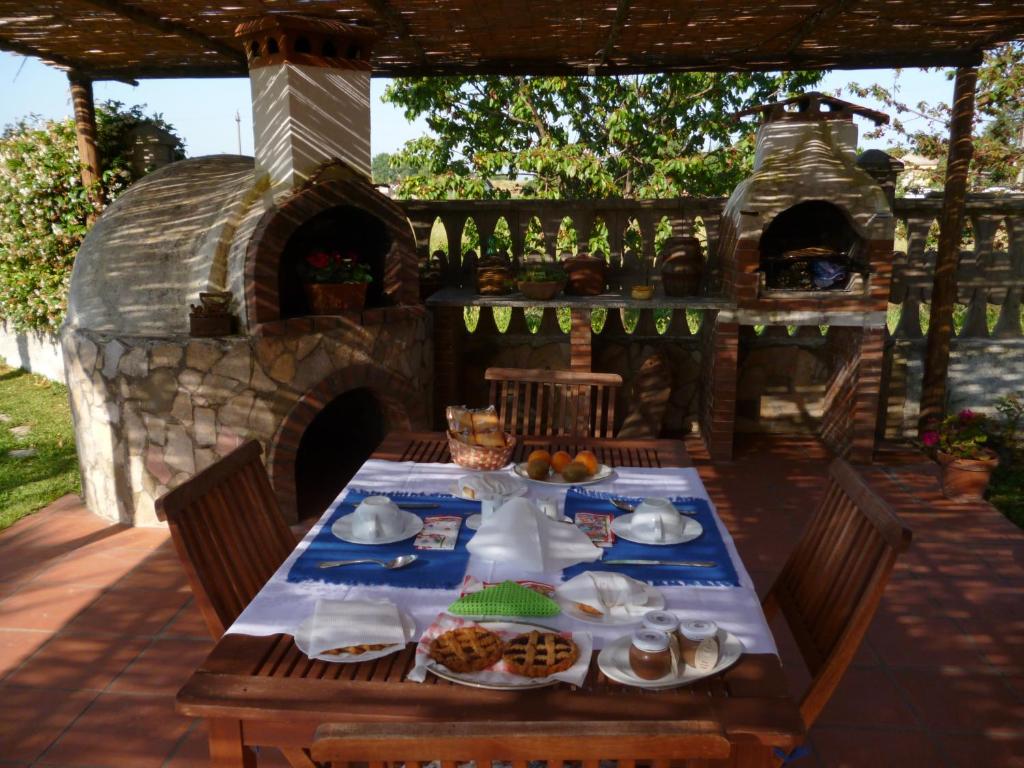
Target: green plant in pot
[(540, 280), (961, 445), (334, 282)]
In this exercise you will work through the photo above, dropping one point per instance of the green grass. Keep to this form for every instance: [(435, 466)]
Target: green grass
[(1006, 492), (30, 484)]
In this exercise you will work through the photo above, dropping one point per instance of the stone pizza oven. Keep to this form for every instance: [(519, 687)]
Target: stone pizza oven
[(153, 404)]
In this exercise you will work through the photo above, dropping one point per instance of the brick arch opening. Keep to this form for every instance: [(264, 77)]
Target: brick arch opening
[(375, 401), (263, 259)]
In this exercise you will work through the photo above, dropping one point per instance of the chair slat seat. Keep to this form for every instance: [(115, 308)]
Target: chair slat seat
[(536, 402)]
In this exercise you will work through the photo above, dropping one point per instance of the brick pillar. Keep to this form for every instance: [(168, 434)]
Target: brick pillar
[(580, 355), (719, 364), (850, 417), (449, 339)]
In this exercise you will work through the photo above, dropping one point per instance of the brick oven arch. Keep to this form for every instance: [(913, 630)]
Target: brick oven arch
[(399, 404), (276, 226)]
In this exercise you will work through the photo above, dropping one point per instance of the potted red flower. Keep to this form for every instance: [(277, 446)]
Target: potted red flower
[(960, 443), (334, 282)]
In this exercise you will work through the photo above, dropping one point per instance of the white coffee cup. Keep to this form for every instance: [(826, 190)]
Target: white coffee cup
[(377, 517), (489, 505), (656, 519)]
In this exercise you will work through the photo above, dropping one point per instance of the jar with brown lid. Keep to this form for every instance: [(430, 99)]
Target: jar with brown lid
[(650, 657)]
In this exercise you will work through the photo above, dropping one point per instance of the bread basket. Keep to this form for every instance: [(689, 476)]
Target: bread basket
[(480, 456)]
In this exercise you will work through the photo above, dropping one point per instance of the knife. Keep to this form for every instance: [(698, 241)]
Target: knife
[(679, 563)]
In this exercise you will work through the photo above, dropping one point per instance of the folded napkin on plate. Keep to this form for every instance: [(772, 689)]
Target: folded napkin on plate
[(341, 623), (610, 593), (488, 485), (519, 532)]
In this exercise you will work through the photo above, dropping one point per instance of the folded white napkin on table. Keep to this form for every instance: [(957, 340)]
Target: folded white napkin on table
[(519, 532), (488, 485), (613, 594), (341, 623)]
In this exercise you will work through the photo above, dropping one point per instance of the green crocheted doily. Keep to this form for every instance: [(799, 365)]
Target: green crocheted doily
[(505, 599)]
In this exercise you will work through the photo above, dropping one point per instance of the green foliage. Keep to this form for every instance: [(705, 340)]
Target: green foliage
[(45, 211), (386, 168), (334, 267), (30, 483), (656, 135), (541, 272)]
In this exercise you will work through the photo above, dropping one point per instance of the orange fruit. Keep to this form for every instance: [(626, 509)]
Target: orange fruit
[(560, 461), (539, 455), (588, 460)]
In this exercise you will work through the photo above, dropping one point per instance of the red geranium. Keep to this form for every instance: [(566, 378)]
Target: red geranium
[(318, 259)]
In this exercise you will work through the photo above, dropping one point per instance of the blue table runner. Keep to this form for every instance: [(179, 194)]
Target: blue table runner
[(708, 546), (435, 569)]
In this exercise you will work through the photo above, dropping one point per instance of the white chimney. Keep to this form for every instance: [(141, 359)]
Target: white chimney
[(310, 81)]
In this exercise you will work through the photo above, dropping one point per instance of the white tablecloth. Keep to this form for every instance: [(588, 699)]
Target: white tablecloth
[(281, 606)]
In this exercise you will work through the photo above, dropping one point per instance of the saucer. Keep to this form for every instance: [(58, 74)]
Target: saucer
[(613, 660), (655, 602), (622, 526), (343, 529)]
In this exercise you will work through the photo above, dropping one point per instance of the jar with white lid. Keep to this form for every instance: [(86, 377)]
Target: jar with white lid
[(698, 644), (650, 657), (662, 621)]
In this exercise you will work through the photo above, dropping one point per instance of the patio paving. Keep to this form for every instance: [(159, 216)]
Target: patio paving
[(98, 629)]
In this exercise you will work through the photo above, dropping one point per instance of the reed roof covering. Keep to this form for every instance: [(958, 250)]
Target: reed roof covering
[(118, 39)]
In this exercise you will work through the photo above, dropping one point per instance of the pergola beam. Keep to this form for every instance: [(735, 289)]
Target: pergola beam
[(168, 27), (621, 14), (398, 26), (951, 224), (824, 15), (61, 61)]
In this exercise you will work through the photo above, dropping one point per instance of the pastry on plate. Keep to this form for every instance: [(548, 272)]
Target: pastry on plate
[(466, 649), (539, 654), (356, 650)]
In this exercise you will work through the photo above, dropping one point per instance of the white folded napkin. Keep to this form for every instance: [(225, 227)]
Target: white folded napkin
[(488, 485), (341, 623), (519, 532), (613, 594)]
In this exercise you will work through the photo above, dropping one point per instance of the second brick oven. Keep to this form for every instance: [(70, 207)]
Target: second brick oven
[(152, 403)]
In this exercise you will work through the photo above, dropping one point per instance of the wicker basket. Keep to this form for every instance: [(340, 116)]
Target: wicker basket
[(479, 456)]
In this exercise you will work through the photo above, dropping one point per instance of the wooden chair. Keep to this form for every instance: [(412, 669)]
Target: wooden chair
[(537, 402), (659, 744), (830, 587), (229, 533)]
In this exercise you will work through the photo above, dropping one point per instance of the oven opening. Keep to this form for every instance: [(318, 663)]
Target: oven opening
[(810, 247)]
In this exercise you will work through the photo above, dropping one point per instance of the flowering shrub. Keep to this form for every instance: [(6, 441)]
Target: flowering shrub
[(45, 211), (964, 435), (332, 267)]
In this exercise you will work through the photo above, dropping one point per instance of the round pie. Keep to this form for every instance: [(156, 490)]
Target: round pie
[(539, 654), (466, 649)]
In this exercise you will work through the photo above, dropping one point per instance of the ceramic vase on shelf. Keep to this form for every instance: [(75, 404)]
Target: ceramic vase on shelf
[(332, 298), (966, 479), (588, 275)]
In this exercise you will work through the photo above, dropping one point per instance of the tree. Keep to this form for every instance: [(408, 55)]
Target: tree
[(388, 169), (923, 129), (45, 211), (658, 135)]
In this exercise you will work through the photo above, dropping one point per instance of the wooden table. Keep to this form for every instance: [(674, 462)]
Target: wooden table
[(264, 691)]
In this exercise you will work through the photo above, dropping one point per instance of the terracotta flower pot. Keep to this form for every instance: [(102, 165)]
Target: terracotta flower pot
[(966, 479), (541, 290), (332, 298), (587, 275)]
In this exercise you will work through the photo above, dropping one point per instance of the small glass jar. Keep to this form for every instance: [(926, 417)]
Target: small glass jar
[(663, 621), (649, 655), (698, 644)]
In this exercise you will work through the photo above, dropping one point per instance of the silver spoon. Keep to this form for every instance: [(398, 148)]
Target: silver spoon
[(625, 506), (399, 562)]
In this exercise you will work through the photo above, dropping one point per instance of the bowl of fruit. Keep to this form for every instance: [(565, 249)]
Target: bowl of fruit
[(562, 468)]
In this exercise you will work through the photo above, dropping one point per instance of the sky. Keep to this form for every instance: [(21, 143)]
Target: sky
[(203, 111)]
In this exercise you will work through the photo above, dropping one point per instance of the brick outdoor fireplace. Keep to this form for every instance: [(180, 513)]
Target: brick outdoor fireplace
[(807, 240), (153, 404)]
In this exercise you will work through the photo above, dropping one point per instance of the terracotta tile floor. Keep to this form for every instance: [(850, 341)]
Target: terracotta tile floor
[(97, 628)]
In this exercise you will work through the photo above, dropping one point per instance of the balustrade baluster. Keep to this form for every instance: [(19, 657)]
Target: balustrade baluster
[(976, 322), (1008, 324), (454, 224), (679, 325)]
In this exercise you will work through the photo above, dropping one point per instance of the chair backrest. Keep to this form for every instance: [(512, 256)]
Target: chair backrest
[(656, 743), (229, 533), (831, 585), (538, 402)]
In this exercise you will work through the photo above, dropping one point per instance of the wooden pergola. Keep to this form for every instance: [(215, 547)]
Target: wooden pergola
[(127, 41)]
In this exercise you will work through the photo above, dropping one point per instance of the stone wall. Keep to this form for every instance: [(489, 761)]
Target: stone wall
[(151, 412)]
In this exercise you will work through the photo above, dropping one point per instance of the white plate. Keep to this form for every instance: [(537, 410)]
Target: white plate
[(302, 633), (622, 526), (342, 528), (655, 602), (603, 473), (613, 660), (500, 681), (516, 486)]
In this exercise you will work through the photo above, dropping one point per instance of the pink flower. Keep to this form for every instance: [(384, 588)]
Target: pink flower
[(930, 439), (318, 259), (967, 415)]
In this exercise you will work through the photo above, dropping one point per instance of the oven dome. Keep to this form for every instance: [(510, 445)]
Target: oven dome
[(165, 240)]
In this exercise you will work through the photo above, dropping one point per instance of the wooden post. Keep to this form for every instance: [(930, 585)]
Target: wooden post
[(85, 129), (951, 224)]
